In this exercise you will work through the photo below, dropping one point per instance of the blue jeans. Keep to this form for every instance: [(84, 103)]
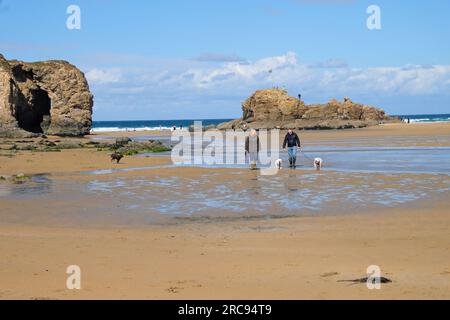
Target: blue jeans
[(253, 156), (292, 153)]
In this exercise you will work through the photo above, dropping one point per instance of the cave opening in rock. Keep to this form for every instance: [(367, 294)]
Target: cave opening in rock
[(34, 115)]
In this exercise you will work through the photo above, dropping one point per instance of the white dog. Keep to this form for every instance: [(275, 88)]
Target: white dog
[(279, 164), (318, 163)]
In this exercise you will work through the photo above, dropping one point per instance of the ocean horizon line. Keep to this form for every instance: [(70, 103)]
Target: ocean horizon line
[(201, 119), (154, 125)]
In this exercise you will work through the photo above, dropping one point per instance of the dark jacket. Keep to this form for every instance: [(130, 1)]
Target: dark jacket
[(291, 140), (250, 147)]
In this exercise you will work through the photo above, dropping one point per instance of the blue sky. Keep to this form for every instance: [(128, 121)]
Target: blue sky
[(175, 59)]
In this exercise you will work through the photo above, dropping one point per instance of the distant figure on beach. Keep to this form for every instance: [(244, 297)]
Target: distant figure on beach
[(181, 127), (252, 147), (174, 128), (300, 97), (409, 120), (292, 142)]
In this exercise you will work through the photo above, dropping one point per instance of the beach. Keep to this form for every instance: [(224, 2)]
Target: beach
[(146, 229)]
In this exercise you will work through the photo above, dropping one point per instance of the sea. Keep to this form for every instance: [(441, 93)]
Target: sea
[(426, 118), (154, 125), (149, 125)]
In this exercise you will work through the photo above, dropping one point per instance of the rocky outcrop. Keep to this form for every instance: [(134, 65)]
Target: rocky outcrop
[(50, 97), (274, 108), (273, 105)]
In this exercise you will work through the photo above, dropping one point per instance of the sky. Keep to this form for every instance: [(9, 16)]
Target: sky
[(200, 59)]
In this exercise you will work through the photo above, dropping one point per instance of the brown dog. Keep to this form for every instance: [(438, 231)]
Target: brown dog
[(116, 157)]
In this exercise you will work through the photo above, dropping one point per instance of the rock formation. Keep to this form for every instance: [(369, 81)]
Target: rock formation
[(50, 97), (274, 108), (272, 105)]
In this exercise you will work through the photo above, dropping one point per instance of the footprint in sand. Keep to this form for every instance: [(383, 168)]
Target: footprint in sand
[(329, 274), (182, 284), (174, 290)]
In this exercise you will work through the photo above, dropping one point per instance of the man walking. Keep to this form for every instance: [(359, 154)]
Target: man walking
[(292, 141), (252, 147)]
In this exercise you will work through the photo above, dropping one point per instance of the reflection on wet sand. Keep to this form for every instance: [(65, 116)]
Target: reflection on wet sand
[(156, 197), (369, 159), (37, 185), (293, 193), (355, 178)]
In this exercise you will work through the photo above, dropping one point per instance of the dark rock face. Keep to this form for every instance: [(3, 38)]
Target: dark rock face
[(274, 108), (50, 97)]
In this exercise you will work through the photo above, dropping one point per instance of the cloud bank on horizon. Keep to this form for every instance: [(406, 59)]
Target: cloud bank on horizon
[(222, 82)]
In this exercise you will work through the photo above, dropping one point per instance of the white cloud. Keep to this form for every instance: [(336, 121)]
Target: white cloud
[(190, 84), (98, 76), (335, 74), (237, 71)]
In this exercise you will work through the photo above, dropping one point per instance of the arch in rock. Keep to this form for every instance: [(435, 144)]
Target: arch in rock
[(33, 113)]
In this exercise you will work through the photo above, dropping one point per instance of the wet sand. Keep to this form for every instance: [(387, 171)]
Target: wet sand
[(67, 161), (263, 258), (171, 196), (403, 135), (437, 134)]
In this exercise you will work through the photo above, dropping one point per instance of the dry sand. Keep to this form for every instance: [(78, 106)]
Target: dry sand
[(295, 258), (300, 258)]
